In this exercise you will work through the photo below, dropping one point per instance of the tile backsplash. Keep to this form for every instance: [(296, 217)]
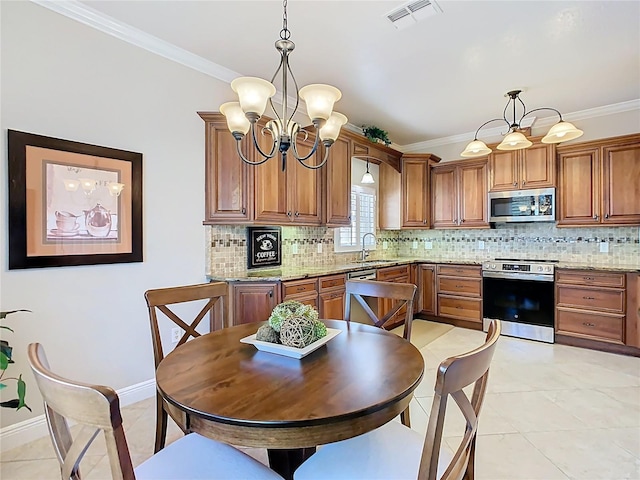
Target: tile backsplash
[(228, 245)]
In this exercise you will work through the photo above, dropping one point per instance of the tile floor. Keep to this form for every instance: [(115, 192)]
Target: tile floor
[(551, 412)]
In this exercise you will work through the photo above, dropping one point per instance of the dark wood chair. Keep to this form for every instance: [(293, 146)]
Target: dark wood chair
[(401, 296), (96, 409), (395, 451), (212, 299)]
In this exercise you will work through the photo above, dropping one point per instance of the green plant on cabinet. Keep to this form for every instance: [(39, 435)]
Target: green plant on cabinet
[(374, 134)]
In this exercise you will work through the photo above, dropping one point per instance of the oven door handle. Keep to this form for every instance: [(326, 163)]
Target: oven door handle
[(519, 276)]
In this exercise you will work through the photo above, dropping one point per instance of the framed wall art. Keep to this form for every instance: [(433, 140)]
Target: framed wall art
[(264, 247), (72, 203)]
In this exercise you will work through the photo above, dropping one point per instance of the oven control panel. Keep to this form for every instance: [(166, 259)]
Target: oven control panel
[(519, 266)]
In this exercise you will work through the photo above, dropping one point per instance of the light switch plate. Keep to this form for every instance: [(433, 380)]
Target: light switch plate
[(294, 248), (480, 244), (385, 245), (604, 247), (414, 245), (319, 247), (428, 245)]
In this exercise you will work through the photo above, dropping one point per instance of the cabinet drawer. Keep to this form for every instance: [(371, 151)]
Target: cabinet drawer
[(460, 286), (460, 270), (332, 281), (299, 287), (585, 277), (609, 328), (461, 308), (606, 300), (385, 274)]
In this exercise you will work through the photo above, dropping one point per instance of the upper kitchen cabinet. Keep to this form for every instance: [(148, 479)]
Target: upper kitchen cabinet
[(363, 148), (415, 191), (532, 167), (459, 194), (229, 181), (337, 194), (599, 182), (292, 196)]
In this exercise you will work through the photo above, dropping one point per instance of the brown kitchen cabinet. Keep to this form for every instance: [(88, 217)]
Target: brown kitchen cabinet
[(415, 190), (332, 296), (337, 194), (459, 290), (304, 291), (599, 182), (395, 274), (252, 301), (459, 195), (533, 167), (591, 305), (228, 180), (427, 302)]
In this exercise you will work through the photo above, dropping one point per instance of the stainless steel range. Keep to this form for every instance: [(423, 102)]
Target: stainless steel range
[(520, 293)]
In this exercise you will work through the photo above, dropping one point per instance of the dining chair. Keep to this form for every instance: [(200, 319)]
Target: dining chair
[(401, 294), (96, 409), (212, 298), (394, 451)]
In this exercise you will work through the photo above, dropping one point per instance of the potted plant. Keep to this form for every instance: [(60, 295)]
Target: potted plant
[(5, 361), (374, 134)]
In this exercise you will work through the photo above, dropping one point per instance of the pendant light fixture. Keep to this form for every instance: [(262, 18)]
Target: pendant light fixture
[(253, 95), (367, 177), (515, 140)]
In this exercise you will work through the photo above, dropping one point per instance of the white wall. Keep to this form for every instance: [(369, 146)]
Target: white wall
[(62, 79)]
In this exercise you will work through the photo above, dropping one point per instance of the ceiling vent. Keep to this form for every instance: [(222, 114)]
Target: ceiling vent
[(412, 12)]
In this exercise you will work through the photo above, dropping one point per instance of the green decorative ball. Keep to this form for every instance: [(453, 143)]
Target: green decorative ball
[(288, 309), (319, 329), (267, 334), (297, 331)]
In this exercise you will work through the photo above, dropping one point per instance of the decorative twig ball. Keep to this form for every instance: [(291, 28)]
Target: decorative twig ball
[(297, 331), (267, 334), (288, 309)]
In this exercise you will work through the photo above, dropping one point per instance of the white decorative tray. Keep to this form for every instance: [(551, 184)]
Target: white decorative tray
[(290, 351)]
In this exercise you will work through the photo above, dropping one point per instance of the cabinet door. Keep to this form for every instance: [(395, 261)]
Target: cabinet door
[(332, 304), (427, 289), (252, 302), (578, 185), (503, 171), (305, 187), (621, 184), (537, 166), (444, 197), (472, 194), (228, 180), (271, 193), (415, 193), (338, 184)]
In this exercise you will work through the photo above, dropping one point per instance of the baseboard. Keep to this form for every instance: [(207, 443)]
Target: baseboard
[(16, 435)]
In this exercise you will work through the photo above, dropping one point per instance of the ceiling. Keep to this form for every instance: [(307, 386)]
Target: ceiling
[(440, 77)]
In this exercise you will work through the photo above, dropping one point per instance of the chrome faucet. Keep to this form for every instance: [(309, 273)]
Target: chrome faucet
[(365, 253)]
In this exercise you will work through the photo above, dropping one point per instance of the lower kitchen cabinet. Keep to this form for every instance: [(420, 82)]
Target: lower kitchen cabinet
[(427, 301), (304, 291), (331, 296), (252, 301), (459, 290), (591, 305)]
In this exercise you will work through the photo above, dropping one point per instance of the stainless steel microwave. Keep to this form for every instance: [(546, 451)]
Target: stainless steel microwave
[(535, 205)]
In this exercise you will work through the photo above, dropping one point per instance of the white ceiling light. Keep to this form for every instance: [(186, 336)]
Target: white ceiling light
[(412, 12), (254, 93), (515, 140), (367, 177)]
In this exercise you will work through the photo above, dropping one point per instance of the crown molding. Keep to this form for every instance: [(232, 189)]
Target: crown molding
[(491, 132)]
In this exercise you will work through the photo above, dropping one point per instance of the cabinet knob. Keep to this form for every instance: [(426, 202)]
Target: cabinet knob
[(271, 293), (297, 214), (288, 213), (515, 184), (523, 182), (606, 215), (588, 298), (424, 221), (244, 210), (595, 217), (587, 324)]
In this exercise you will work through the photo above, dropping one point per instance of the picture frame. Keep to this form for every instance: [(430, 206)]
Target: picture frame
[(72, 203), (264, 247)]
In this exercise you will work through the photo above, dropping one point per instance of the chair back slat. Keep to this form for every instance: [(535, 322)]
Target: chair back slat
[(453, 375), (95, 408)]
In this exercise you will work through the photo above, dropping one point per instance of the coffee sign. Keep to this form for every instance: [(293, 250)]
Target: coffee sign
[(264, 246)]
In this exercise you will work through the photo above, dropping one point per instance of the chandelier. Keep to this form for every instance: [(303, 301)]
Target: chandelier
[(515, 140), (253, 94)]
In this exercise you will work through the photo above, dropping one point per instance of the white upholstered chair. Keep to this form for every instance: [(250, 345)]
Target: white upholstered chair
[(395, 452), (97, 409)]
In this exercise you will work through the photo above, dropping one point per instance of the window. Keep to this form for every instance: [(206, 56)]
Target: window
[(363, 220)]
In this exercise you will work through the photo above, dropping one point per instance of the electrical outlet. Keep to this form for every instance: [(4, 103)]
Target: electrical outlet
[(414, 245), (385, 245), (294, 248), (480, 244), (428, 245), (604, 247), (319, 247), (176, 334)]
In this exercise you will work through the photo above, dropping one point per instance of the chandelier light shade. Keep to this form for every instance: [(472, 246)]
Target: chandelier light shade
[(515, 140), (253, 95), (367, 177)]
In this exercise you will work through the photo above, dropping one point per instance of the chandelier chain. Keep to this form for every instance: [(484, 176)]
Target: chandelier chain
[(285, 34)]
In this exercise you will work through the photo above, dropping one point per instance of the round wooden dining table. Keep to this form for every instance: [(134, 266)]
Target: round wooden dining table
[(232, 392)]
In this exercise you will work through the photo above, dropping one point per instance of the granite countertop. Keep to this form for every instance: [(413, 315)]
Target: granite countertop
[(299, 273)]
